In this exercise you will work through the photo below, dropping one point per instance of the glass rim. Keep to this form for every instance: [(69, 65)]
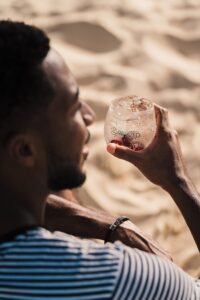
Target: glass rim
[(138, 104)]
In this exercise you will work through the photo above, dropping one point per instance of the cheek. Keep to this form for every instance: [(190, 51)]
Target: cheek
[(76, 135), (67, 138)]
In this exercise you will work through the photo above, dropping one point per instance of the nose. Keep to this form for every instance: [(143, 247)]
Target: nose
[(88, 114)]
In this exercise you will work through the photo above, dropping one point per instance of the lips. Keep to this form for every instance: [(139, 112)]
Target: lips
[(85, 151), (87, 137)]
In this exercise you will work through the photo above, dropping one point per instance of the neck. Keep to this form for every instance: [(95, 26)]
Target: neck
[(14, 215)]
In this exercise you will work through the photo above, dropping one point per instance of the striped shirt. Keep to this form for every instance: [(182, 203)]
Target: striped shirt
[(36, 264)]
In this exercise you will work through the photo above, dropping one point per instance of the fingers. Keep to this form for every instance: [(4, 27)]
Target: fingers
[(123, 152), (111, 148), (162, 118), (164, 130)]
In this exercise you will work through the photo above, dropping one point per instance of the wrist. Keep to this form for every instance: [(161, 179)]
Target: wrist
[(177, 182), (113, 228), (182, 191)]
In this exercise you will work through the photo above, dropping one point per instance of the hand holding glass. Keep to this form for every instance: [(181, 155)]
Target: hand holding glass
[(131, 122)]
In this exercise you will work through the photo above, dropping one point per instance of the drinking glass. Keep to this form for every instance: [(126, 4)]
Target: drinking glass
[(130, 121)]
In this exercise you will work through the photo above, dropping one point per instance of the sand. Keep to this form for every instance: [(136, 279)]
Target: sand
[(116, 48)]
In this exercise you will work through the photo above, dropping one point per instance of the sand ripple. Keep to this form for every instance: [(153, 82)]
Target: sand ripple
[(74, 32)]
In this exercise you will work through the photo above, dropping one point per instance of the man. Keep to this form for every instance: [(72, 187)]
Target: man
[(43, 132)]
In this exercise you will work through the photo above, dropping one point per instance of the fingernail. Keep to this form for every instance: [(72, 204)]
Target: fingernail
[(111, 148)]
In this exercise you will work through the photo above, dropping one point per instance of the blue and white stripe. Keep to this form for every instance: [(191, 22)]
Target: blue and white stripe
[(40, 265)]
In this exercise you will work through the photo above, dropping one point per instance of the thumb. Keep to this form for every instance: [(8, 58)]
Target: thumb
[(123, 152), (162, 118)]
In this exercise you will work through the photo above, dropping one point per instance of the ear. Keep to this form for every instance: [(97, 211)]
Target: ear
[(22, 148)]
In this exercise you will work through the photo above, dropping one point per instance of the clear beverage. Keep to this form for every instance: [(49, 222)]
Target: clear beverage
[(131, 122)]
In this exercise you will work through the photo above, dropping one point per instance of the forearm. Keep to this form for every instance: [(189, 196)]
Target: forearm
[(77, 220), (64, 215), (187, 199)]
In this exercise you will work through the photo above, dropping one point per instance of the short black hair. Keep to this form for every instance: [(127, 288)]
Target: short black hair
[(23, 84)]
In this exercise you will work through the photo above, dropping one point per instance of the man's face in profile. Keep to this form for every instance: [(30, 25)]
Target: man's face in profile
[(66, 133)]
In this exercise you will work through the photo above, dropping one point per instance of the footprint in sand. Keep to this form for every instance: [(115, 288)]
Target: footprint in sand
[(167, 51), (86, 35), (189, 48)]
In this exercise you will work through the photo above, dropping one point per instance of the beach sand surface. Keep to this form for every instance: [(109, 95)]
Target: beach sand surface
[(116, 48)]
